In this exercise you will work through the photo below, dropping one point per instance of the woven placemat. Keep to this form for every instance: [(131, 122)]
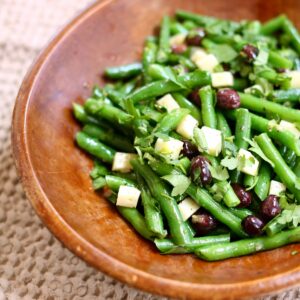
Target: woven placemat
[(33, 264)]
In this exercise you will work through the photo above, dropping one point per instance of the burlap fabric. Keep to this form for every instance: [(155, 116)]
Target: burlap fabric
[(33, 264)]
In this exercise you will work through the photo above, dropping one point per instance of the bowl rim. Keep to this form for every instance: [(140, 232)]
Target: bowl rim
[(81, 247)]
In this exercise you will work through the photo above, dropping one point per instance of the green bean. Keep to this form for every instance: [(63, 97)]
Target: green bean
[(203, 198), (201, 20), (115, 97), (189, 25), (98, 170), (273, 227), (178, 228), (114, 182), (190, 228), (185, 103), (207, 107), (141, 127), (123, 72), (177, 28), (263, 183), (164, 45), (223, 125), (153, 216), (154, 89), (290, 158), (162, 168), (81, 115), (162, 87), (278, 61), (239, 84), (194, 79), (166, 246), (150, 113), (291, 30), (226, 250), (250, 181), (242, 131), (273, 25), (280, 167), (108, 112), (241, 213), (109, 137), (171, 120), (128, 87), (230, 198), (98, 183), (94, 147), (296, 168), (263, 106), (292, 95), (262, 125), (149, 57), (159, 72)]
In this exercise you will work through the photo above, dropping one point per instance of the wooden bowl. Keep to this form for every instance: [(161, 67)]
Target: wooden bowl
[(55, 173)]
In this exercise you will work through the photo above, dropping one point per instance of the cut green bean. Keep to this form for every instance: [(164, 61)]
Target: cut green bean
[(263, 125), (171, 120), (94, 147), (278, 61), (274, 227), (149, 57), (166, 246), (280, 167), (203, 198), (291, 30), (123, 72), (264, 106), (223, 125), (241, 213), (109, 137), (178, 229), (164, 45), (185, 103), (108, 112), (153, 216), (226, 250), (280, 96), (262, 186), (207, 107), (273, 25)]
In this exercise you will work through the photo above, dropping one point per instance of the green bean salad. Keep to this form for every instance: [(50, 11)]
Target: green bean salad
[(197, 146)]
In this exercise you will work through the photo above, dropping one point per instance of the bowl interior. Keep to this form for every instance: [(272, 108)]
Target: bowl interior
[(56, 173)]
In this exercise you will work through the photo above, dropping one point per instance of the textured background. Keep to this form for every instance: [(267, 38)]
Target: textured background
[(33, 264)]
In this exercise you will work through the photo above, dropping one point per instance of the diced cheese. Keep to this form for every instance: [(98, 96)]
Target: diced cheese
[(128, 196), (187, 208), (287, 126), (207, 62), (248, 163), (186, 126), (295, 79), (276, 188), (121, 162), (170, 147), (213, 138), (198, 54), (168, 102), (222, 79), (177, 39)]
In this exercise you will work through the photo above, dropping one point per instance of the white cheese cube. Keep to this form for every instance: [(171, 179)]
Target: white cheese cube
[(177, 39), (128, 196), (121, 162), (207, 62), (213, 139), (187, 208), (287, 126), (168, 102), (186, 126), (222, 79), (198, 54), (170, 147), (248, 163), (276, 188), (295, 79)]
